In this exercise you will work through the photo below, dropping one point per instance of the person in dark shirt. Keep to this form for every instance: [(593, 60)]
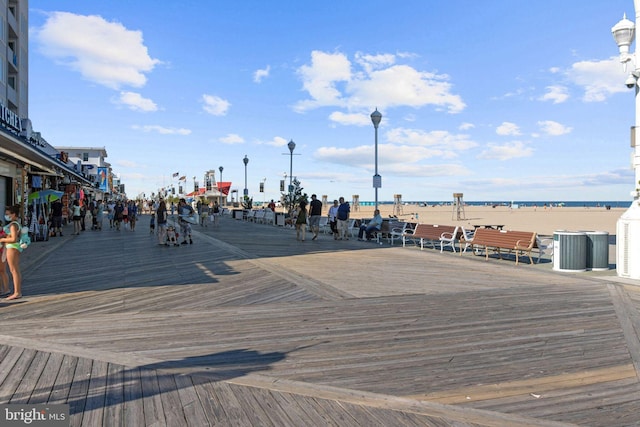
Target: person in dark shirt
[(343, 219), (315, 213), (56, 217)]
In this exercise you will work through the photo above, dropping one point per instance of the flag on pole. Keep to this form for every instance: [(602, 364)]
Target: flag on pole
[(175, 174)]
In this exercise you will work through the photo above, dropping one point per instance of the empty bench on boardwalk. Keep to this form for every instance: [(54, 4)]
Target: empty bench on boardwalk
[(512, 241), (430, 234)]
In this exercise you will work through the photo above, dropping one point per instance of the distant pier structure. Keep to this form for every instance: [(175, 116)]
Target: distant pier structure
[(397, 204), (355, 202), (458, 207)]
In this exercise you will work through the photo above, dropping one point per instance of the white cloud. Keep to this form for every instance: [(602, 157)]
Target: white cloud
[(557, 94), (399, 160), (278, 141), (232, 138), (600, 79), (508, 129), (374, 62), (215, 105), (136, 102), (554, 128), (103, 52), (350, 119), (377, 81), (162, 130), (259, 75), (448, 144), (506, 151), (320, 78), (466, 126)]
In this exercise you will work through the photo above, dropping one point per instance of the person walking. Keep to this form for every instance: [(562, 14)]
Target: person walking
[(12, 249), (110, 207), (343, 219), (99, 214), (315, 213), (301, 221), (185, 211), (202, 208), (333, 219), (56, 217), (217, 212), (118, 215), (161, 219), (133, 214), (76, 217)]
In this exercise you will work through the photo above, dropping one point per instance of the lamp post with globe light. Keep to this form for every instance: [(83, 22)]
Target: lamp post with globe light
[(246, 190), (219, 188), (628, 226), (292, 146), (376, 117)]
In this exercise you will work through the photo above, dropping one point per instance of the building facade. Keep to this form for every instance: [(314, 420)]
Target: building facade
[(29, 165)]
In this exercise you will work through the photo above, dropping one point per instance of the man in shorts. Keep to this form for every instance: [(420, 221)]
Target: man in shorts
[(315, 213)]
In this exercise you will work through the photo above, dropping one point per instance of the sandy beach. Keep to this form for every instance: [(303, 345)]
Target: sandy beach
[(542, 221)]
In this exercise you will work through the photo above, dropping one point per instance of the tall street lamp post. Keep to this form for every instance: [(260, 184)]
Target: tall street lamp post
[(219, 189), (246, 190), (292, 146), (628, 226), (376, 117)]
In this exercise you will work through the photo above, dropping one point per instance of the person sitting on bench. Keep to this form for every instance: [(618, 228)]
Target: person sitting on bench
[(372, 226)]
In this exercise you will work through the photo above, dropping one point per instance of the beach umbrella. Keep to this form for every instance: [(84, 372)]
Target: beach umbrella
[(46, 195)]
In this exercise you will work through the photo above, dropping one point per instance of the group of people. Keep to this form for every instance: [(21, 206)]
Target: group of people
[(338, 214), (167, 235), (121, 213)]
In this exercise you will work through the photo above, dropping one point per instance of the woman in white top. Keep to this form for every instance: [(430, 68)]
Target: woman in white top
[(333, 220)]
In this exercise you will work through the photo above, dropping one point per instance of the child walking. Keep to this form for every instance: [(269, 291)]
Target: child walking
[(152, 224)]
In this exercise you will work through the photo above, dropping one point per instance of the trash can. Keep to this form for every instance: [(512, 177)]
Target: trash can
[(597, 250), (570, 251), (279, 219), (237, 213)]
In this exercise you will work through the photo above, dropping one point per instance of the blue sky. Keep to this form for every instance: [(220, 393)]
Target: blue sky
[(499, 100)]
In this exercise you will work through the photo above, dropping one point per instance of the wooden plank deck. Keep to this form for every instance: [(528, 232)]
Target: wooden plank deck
[(247, 326)]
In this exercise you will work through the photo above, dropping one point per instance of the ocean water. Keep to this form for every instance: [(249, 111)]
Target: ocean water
[(555, 203)]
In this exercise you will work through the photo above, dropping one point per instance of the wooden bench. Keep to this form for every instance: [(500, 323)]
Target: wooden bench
[(513, 241), (430, 234)]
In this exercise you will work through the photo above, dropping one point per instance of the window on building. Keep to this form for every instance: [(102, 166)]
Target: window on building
[(85, 157)]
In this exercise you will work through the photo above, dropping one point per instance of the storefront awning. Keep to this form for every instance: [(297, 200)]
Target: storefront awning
[(17, 149)]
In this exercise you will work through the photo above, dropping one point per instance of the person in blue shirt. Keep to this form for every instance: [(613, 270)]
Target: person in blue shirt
[(371, 226)]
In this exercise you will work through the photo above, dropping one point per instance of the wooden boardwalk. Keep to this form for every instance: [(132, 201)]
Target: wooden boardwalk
[(249, 327)]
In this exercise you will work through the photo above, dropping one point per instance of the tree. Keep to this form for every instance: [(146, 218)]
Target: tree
[(290, 200)]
